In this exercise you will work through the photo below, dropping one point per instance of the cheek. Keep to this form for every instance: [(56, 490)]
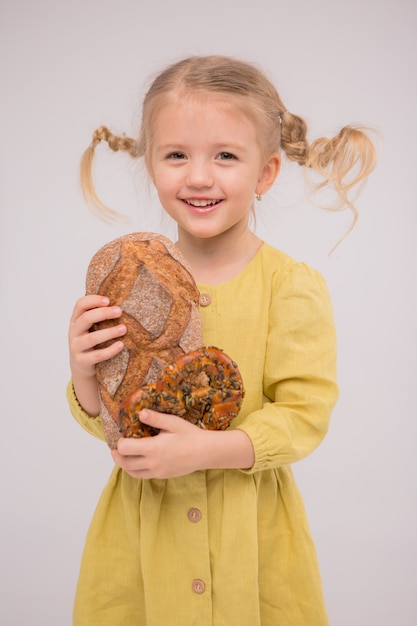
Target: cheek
[(165, 189), (159, 181), (245, 188), (164, 179)]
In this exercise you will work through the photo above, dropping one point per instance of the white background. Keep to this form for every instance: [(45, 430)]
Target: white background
[(66, 68)]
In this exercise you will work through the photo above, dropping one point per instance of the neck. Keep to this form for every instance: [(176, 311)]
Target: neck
[(217, 259)]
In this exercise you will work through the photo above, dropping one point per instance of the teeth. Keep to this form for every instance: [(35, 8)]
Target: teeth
[(201, 203)]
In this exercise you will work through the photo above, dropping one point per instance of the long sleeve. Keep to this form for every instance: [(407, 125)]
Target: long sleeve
[(299, 382), (93, 425)]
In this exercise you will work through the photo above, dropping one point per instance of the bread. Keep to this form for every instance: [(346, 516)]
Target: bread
[(203, 387), (146, 275)]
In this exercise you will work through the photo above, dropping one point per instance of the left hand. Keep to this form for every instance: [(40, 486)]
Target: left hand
[(176, 450)]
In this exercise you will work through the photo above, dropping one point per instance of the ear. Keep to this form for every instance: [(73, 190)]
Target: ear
[(269, 173)]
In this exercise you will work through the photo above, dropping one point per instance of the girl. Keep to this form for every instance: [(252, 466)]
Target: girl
[(199, 527)]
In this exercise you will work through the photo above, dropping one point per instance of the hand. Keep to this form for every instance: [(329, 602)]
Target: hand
[(82, 343), (175, 451), (84, 355), (181, 448)]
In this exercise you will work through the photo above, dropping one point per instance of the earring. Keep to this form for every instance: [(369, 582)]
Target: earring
[(258, 196)]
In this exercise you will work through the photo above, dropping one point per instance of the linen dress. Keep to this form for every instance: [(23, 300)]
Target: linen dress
[(227, 547)]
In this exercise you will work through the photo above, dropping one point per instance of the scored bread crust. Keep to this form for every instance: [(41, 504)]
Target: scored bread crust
[(146, 275)]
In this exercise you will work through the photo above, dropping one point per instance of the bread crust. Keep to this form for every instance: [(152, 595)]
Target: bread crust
[(146, 275)]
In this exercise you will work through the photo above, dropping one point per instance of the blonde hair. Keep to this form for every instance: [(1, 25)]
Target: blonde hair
[(343, 162)]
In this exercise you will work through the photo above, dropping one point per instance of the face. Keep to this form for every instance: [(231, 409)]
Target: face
[(206, 165)]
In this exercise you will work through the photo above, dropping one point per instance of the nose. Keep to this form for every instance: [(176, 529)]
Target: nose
[(199, 174)]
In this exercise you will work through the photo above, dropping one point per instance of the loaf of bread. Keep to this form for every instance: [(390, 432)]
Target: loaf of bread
[(146, 275)]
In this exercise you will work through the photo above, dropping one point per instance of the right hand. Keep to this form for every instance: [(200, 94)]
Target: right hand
[(84, 355)]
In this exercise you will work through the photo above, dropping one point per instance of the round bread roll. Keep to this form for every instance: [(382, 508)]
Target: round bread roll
[(146, 275), (203, 387)]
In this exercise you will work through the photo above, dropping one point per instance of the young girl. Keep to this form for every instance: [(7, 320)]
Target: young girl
[(203, 527)]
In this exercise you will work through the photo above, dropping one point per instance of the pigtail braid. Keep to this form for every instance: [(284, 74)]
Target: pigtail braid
[(294, 137), (343, 162), (116, 143)]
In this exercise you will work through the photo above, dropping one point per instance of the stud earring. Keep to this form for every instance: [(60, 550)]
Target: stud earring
[(258, 196)]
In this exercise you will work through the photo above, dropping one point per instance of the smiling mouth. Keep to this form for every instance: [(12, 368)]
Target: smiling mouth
[(202, 204)]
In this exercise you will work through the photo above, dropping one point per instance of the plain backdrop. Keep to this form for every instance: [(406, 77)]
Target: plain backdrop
[(68, 67)]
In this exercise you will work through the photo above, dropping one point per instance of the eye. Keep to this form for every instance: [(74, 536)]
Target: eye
[(226, 156), (176, 156)]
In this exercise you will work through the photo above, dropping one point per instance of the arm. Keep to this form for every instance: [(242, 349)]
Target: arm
[(300, 387)]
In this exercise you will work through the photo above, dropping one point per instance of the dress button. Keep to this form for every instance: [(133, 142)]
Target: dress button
[(194, 515), (198, 586), (205, 299)]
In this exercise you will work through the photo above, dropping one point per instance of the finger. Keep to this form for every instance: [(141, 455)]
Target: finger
[(81, 328), (90, 340), (85, 303), (162, 421), (132, 446), (134, 465), (86, 352), (90, 358), (95, 316), (94, 308), (81, 341)]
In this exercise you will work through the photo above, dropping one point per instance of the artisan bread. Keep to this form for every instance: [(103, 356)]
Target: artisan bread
[(146, 275)]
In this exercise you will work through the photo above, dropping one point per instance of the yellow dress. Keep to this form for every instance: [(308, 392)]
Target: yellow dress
[(227, 547)]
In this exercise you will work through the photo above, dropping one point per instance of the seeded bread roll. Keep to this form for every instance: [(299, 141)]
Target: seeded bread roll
[(144, 274)]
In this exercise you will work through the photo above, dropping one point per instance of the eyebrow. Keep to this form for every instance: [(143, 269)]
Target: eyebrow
[(224, 146)]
